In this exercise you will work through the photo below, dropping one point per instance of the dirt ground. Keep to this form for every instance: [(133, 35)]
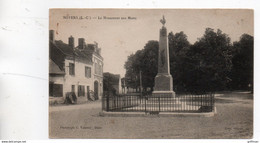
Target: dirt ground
[(234, 120)]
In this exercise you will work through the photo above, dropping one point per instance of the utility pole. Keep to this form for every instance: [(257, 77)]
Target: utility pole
[(141, 87)]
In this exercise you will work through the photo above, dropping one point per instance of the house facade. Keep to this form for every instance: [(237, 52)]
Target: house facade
[(77, 69)]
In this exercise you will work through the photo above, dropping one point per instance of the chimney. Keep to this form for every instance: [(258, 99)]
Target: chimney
[(96, 47), (51, 36), (71, 42), (99, 51), (82, 43)]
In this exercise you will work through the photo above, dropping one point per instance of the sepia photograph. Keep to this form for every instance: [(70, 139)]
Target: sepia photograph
[(151, 73)]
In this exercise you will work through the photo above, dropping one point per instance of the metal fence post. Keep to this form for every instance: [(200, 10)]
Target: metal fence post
[(145, 104), (117, 102), (201, 100), (102, 103), (211, 102), (107, 102), (159, 103)]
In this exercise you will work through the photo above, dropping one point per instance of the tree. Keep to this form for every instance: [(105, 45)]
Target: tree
[(242, 71), (177, 42), (178, 48), (149, 66), (208, 62), (108, 88), (202, 67), (130, 72), (144, 60)]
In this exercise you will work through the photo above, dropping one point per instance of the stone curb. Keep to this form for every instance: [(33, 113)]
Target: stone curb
[(161, 114)]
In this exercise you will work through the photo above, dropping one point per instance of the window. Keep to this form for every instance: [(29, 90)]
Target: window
[(96, 68), (81, 90), (56, 90), (88, 72), (100, 69), (88, 92), (72, 69), (73, 88)]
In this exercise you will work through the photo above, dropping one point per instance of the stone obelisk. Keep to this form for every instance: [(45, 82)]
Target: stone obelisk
[(163, 86)]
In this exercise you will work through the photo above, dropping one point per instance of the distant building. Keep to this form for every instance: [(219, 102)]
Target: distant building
[(123, 85), (113, 83), (75, 69)]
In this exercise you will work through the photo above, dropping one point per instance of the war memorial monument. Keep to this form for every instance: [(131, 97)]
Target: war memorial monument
[(163, 81), (182, 84)]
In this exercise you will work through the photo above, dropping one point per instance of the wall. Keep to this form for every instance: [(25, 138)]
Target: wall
[(79, 77), (98, 73)]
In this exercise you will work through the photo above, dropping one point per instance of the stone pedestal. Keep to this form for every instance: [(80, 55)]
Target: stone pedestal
[(163, 86)]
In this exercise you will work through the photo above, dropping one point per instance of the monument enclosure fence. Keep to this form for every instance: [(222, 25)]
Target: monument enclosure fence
[(151, 104)]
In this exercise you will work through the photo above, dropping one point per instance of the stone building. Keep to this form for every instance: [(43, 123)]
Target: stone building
[(77, 69)]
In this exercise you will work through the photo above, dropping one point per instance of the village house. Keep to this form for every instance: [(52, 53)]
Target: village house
[(77, 69)]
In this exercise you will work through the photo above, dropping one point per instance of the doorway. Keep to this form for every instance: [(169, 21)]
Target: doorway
[(96, 90)]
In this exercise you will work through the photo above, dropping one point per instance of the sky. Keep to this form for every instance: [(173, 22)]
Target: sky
[(128, 30)]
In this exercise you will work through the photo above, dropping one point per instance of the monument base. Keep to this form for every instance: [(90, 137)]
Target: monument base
[(163, 86), (163, 94)]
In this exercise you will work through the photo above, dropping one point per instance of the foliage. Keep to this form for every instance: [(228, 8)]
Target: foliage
[(208, 62), (211, 64), (178, 48), (242, 71), (108, 81), (144, 61)]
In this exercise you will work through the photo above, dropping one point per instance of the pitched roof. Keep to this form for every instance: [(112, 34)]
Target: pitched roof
[(89, 49), (54, 68), (64, 48), (57, 56), (72, 52)]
